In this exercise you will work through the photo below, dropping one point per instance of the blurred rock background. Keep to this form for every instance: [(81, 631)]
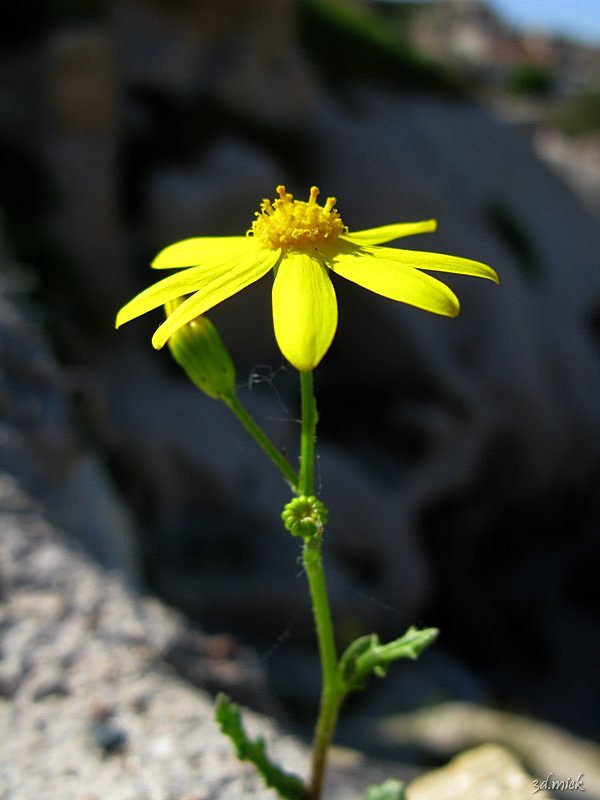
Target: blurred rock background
[(460, 459)]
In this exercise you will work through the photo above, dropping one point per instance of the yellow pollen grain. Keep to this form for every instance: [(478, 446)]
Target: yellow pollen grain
[(289, 224)]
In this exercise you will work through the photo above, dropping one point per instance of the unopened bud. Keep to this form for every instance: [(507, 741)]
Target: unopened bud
[(305, 516), (200, 351)]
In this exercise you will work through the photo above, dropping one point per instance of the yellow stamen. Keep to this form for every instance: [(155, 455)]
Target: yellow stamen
[(289, 224)]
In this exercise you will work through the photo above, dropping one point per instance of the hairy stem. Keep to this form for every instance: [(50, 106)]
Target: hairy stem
[(331, 692), (307, 436)]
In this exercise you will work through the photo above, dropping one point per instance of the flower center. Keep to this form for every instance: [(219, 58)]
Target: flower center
[(288, 224)]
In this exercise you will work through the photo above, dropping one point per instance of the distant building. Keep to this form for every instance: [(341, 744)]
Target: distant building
[(470, 37)]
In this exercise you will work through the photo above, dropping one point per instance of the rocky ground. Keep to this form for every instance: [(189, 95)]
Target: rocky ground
[(92, 706)]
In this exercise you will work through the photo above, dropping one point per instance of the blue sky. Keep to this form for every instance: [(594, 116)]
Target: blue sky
[(580, 18), (576, 18)]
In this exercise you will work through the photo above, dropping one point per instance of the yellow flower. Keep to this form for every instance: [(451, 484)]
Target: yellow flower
[(302, 242)]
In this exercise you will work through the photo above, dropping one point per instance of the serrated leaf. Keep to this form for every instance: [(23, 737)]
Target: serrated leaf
[(373, 657), (353, 651), (227, 716)]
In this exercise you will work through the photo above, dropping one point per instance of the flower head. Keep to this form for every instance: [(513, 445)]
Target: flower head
[(302, 242)]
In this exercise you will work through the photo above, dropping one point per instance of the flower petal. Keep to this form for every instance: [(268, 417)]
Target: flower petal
[(397, 281), (184, 282), (304, 310), (190, 252), (437, 262), (387, 233), (221, 284)]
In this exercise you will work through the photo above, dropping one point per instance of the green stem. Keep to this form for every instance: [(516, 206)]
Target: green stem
[(331, 692), (307, 437), (263, 440)]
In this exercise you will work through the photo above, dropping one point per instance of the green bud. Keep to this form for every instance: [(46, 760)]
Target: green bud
[(199, 350), (305, 516)]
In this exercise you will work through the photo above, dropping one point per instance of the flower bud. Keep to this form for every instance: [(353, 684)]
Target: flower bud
[(199, 350), (305, 516)]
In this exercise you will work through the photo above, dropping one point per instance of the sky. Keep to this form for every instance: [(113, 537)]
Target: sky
[(579, 19)]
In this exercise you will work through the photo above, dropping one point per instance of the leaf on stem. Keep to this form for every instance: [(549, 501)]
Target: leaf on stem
[(388, 790), (227, 716), (368, 655)]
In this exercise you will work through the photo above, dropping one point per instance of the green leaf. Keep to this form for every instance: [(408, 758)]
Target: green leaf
[(227, 716), (388, 790), (348, 660), (368, 655)]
